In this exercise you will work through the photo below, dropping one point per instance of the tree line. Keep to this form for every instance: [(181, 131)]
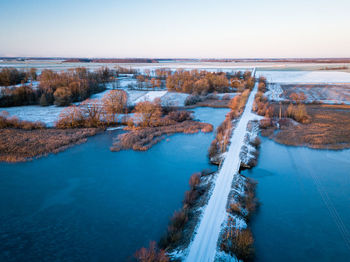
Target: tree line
[(13, 76), (204, 82), (59, 88)]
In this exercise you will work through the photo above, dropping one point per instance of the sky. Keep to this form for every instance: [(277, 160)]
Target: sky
[(175, 29)]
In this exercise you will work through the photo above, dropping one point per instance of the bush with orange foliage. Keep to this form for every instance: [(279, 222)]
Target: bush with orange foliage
[(144, 138), (151, 254), (149, 126), (176, 228), (297, 97), (197, 82), (113, 103), (298, 113), (87, 114), (147, 114), (224, 131)]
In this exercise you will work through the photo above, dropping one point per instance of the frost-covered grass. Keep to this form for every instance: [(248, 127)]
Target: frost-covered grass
[(174, 99), (330, 94), (324, 93), (150, 96), (47, 115), (274, 92)]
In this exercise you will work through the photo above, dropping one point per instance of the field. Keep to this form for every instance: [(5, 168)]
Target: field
[(329, 129)]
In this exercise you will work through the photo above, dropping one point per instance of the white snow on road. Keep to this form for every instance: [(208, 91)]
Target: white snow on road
[(204, 245)]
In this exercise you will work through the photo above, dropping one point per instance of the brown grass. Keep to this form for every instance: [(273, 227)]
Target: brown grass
[(329, 128), (18, 145), (144, 138), (214, 103)]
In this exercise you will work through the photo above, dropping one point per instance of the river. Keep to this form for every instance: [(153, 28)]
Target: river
[(90, 204), (304, 213)]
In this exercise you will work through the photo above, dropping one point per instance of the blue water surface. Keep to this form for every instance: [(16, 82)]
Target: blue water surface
[(305, 199), (90, 204)]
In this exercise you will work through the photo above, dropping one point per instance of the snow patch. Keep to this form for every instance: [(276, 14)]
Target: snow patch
[(150, 96), (47, 115), (274, 92)]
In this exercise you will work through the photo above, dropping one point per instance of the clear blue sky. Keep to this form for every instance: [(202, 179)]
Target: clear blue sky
[(177, 28)]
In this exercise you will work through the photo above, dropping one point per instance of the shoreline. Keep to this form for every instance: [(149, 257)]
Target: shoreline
[(18, 145)]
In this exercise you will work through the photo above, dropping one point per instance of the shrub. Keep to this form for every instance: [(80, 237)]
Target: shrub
[(190, 198), (192, 100), (147, 114), (87, 114), (43, 100), (151, 254), (249, 201), (63, 96), (195, 180), (226, 97), (71, 117), (179, 116), (114, 102), (256, 142), (265, 123), (239, 243), (11, 76), (298, 113), (175, 228), (17, 96), (235, 209), (213, 149)]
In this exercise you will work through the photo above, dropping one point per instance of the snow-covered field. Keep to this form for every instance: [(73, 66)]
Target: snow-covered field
[(312, 77), (174, 99), (150, 96), (322, 86), (324, 93), (47, 115), (334, 94), (204, 244), (274, 92)]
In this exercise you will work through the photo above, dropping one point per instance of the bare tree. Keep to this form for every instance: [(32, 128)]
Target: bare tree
[(147, 113), (114, 102)]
